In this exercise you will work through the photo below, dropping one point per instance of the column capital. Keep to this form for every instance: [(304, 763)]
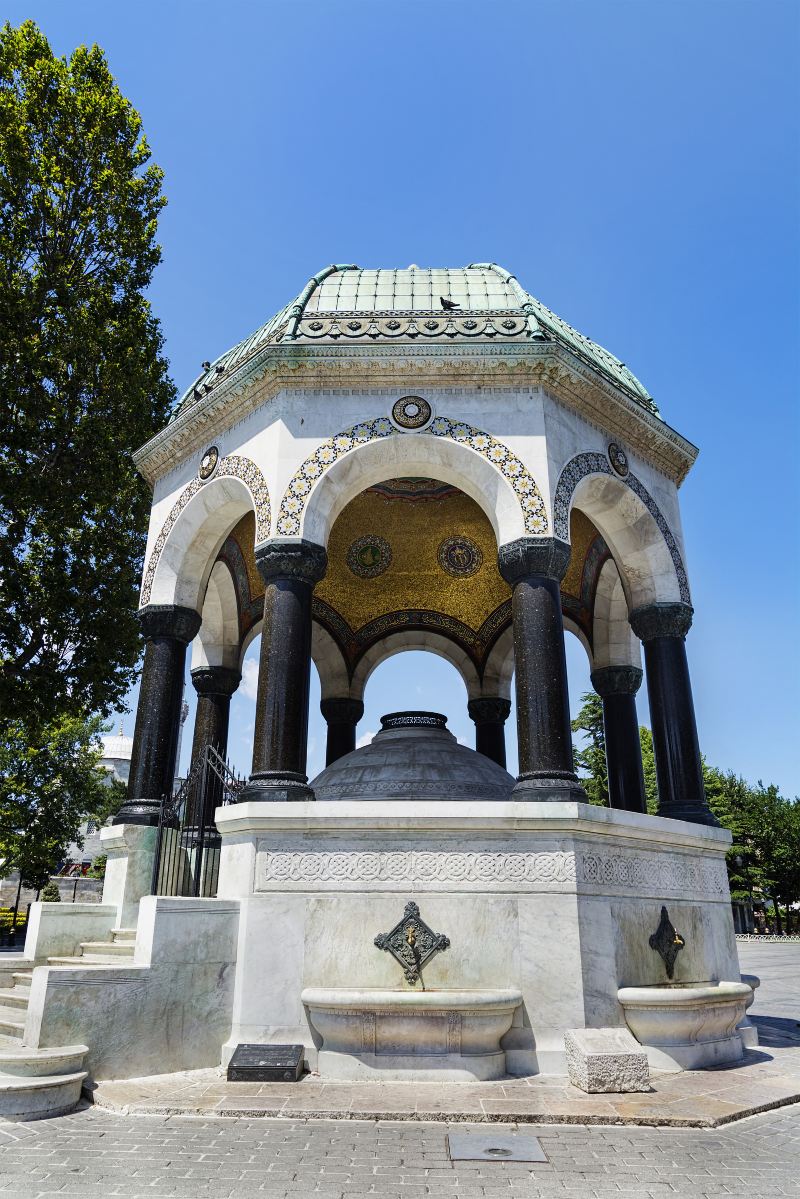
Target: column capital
[(341, 710), (292, 558), (216, 680), (616, 680), (489, 709), (169, 620), (661, 620), (546, 557)]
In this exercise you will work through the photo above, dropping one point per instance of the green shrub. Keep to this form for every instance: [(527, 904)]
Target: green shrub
[(50, 893)]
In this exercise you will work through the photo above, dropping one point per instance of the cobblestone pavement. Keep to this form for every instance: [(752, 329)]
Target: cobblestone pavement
[(93, 1153), (96, 1153)]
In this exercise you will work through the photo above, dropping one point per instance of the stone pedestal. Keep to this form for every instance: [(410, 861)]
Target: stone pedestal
[(554, 900), (606, 1060), (130, 852)]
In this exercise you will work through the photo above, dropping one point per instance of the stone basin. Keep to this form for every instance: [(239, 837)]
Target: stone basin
[(421, 1036), (687, 1026)]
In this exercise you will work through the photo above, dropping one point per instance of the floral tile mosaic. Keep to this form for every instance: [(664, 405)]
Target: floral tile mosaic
[(521, 480)]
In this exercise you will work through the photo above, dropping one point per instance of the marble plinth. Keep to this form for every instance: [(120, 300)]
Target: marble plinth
[(416, 1036), (555, 900)]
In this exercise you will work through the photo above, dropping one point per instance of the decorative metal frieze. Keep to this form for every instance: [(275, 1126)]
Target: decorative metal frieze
[(460, 557), (404, 720), (667, 942), (522, 482), (398, 323), (411, 412), (597, 464), (412, 942), (232, 466)]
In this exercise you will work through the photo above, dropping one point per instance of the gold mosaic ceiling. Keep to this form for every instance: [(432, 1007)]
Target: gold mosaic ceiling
[(415, 553)]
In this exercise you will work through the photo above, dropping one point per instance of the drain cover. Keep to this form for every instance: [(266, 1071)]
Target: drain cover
[(494, 1147)]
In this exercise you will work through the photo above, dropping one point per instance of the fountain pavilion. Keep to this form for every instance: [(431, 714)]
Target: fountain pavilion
[(404, 459)]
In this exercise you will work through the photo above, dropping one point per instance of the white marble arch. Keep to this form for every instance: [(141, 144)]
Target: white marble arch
[(412, 454), (190, 550), (415, 639), (645, 563), (614, 641), (217, 642)]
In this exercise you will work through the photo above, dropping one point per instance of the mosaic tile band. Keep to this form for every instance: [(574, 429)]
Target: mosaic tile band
[(234, 466), (597, 464), (522, 482)]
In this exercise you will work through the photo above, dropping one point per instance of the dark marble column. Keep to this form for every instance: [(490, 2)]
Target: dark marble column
[(490, 714), (342, 716), (167, 629), (662, 629), (290, 569), (617, 687), (214, 686), (534, 566)]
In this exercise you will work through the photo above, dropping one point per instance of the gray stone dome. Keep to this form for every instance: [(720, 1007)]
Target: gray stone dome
[(414, 756)]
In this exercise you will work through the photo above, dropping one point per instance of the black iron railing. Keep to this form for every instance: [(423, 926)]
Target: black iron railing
[(187, 843)]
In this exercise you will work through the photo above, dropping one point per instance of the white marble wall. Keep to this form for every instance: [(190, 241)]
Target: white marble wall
[(556, 899)]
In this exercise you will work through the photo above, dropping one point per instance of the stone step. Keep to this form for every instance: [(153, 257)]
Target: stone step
[(12, 1022), (123, 934), (16, 997), (122, 949), (89, 959), (39, 1096), (24, 1062)]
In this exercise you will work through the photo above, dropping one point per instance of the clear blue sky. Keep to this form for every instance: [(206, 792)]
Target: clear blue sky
[(636, 165)]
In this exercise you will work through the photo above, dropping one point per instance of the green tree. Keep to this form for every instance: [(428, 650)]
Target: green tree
[(649, 769), (83, 380), (47, 791), (590, 758)]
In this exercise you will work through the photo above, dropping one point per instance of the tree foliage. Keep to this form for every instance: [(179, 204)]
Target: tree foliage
[(590, 755), (48, 791), (82, 379)]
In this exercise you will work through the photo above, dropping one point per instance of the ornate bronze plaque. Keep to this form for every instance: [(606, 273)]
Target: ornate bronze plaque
[(411, 942), (666, 941)]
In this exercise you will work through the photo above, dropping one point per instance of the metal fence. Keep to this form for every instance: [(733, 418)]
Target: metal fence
[(187, 844)]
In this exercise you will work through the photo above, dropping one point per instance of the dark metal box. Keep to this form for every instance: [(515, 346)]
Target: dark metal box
[(266, 1063)]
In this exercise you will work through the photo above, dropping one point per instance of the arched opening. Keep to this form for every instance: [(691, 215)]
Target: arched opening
[(416, 680)]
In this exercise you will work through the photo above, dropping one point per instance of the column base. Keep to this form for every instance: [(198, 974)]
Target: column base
[(139, 811), (276, 787), (554, 787), (694, 813)]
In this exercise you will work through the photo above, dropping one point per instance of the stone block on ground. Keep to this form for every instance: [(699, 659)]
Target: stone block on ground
[(606, 1060)]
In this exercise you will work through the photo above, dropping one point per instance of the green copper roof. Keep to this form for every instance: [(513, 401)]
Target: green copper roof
[(480, 302)]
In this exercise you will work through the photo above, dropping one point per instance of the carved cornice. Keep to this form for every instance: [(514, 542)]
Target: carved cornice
[(489, 709), (216, 680), (661, 620), (291, 558), (169, 620), (545, 364), (527, 556), (340, 710), (616, 680)]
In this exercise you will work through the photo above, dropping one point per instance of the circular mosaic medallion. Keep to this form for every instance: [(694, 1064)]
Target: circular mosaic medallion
[(369, 556), (411, 412), (618, 459), (460, 557), (208, 463)]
